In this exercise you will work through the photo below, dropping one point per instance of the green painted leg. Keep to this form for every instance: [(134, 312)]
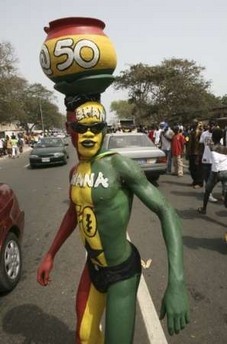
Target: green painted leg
[(121, 311)]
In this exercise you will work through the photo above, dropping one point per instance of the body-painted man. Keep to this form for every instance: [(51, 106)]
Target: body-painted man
[(101, 194)]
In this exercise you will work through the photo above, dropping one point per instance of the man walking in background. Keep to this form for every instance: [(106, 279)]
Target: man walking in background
[(177, 148), (206, 141), (194, 153)]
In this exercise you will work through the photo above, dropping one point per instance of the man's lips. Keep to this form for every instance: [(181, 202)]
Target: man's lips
[(88, 143)]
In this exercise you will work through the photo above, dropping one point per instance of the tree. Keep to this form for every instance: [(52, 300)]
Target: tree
[(39, 107), (51, 116), (11, 85), (21, 101), (176, 88), (8, 60), (224, 100), (122, 108)]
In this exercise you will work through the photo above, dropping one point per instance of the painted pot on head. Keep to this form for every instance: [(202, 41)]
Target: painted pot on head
[(78, 56)]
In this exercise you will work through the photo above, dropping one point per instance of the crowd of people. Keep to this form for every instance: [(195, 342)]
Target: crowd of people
[(203, 146), (11, 146)]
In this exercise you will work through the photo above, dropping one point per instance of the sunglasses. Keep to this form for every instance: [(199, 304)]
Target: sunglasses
[(82, 128)]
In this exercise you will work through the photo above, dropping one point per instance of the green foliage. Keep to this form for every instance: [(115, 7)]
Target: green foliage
[(224, 100), (175, 89), (23, 102), (122, 108), (7, 60)]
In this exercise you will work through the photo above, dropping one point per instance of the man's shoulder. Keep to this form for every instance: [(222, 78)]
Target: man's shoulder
[(124, 164)]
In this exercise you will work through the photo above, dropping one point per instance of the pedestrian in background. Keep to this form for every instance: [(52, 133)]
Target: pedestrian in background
[(14, 141), (8, 146), (218, 169), (177, 148), (165, 140), (206, 141), (194, 154), (151, 133), (157, 133), (20, 143), (1, 147)]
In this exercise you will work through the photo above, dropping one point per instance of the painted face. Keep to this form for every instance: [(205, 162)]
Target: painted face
[(88, 130), (90, 137)]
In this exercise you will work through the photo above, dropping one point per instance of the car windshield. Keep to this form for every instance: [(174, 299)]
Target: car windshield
[(49, 142), (121, 141)]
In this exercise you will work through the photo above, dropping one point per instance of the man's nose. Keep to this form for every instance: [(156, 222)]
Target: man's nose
[(89, 133)]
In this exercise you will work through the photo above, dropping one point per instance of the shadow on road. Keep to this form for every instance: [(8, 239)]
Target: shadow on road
[(213, 244), (193, 213), (174, 182), (30, 322), (198, 196)]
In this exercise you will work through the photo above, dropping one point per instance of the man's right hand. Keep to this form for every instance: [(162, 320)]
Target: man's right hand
[(43, 273)]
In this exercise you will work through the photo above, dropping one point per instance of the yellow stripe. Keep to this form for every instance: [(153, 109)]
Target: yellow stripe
[(82, 198), (90, 330), (107, 56)]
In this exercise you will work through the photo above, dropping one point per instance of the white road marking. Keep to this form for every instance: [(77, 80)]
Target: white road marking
[(153, 327), (151, 320)]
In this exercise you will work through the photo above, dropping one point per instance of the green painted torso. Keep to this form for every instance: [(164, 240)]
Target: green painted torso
[(103, 207)]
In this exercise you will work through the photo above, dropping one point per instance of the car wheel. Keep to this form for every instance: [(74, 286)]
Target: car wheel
[(10, 263), (32, 166)]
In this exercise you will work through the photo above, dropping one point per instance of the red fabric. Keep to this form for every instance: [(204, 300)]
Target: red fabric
[(151, 135), (177, 144)]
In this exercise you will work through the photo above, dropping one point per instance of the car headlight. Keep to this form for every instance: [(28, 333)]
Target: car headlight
[(58, 155), (33, 156)]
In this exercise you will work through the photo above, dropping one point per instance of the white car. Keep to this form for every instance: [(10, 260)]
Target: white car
[(141, 149)]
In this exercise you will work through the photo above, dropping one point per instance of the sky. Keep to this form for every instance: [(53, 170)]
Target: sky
[(144, 31)]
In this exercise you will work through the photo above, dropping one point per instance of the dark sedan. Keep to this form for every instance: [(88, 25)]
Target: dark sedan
[(49, 151), (11, 233), (141, 149)]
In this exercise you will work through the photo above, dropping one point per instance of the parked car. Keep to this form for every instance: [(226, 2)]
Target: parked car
[(141, 149), (49, 151), (11, 233)]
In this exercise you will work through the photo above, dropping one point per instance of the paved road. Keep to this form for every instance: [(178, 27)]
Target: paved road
[(35, 315)]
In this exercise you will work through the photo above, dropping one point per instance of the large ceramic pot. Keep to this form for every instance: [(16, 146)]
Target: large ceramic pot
[(78, 56)]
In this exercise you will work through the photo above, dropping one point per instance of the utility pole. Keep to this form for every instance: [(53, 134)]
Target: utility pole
[(41, 116)]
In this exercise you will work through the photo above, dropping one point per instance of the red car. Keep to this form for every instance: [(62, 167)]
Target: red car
[(11, 233)]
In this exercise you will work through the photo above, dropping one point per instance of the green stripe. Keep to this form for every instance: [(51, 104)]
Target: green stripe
[(75, 76)]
